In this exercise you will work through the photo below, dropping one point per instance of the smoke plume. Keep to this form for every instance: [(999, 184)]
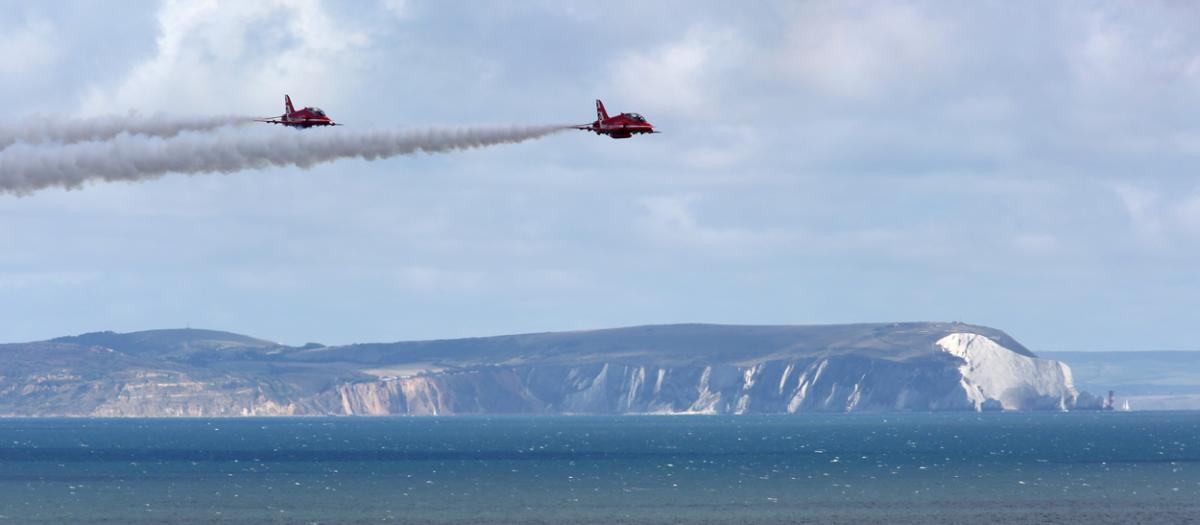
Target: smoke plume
[(41, 129), (25, 168)]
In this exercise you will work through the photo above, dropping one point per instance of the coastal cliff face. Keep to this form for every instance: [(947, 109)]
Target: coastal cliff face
[(683, 369), (776, 387), (974, 374), (991, 375)]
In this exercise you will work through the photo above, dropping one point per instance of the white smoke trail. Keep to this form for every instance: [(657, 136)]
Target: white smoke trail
[(41, 129), (25, 168)]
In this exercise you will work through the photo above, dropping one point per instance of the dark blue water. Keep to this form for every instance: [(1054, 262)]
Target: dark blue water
[(913, 468)]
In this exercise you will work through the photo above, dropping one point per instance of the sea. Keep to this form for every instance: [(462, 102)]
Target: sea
[(974, 468)]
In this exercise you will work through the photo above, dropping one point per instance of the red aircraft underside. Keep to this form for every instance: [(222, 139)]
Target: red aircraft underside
[(621, 126), (304, 118)]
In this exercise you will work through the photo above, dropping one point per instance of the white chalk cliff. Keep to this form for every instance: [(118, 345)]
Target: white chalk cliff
[(993, 374)]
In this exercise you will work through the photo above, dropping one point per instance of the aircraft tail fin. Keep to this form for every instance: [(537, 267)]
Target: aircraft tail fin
[(287, 104), (601, 114)]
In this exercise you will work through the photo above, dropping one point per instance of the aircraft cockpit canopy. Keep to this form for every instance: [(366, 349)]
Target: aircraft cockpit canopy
[(318, 111), (636, 117)]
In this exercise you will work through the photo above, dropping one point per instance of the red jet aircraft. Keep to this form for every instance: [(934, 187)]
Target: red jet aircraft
[(305, 118), (621, 126)]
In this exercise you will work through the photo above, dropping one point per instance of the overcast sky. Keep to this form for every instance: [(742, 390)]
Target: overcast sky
[(1030, 166)]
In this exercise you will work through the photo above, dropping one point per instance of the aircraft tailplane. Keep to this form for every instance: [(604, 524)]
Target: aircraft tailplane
[(601, 114), (287, 104)]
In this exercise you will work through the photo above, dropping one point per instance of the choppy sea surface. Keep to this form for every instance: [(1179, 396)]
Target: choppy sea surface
[(894, 469)]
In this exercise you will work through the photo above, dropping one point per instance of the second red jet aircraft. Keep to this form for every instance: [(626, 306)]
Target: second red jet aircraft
[(305, 118), (621, 126)]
